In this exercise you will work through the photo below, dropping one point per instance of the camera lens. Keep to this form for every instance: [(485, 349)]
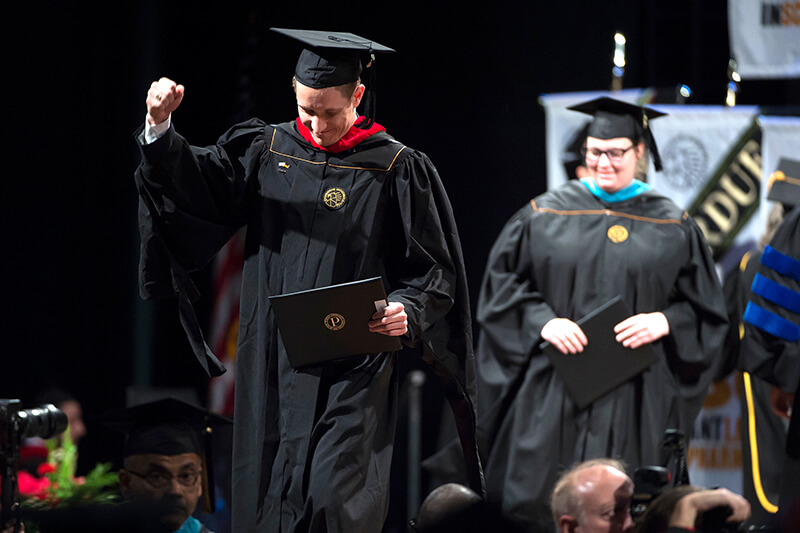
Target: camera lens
[(44, 421)]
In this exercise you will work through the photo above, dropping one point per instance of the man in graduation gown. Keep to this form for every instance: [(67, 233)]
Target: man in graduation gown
[(763, 432), (772, 321), (166, 460), (560, 257), (326, 199)]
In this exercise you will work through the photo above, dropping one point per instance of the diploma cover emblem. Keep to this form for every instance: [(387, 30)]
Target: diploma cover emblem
[(617, 234), (334, 321), (334, 198)]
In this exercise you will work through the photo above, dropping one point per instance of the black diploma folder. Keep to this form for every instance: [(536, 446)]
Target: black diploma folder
[(330, 323), (604, 363)]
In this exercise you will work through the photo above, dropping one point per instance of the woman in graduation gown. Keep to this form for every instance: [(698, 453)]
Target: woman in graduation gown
[(560, 257)]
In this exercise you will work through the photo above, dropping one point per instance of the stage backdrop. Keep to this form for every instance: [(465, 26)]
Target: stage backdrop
[(714, 159)]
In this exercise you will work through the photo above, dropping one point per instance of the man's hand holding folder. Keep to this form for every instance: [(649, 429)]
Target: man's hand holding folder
[(338, 321), (391, 320)]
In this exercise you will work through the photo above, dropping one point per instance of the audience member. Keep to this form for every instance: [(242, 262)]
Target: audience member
[(593, 497), (454, 507), (166, 459)]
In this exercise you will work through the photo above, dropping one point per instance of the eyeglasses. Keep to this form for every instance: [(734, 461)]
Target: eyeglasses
[(614, 155), (161, 480)]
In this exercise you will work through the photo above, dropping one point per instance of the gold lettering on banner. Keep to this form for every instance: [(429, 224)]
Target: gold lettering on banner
[(724, 458), (731, 195), (713, 238), (790, 14), (722, 210), (751, 157), (780, 14), (740, 195)]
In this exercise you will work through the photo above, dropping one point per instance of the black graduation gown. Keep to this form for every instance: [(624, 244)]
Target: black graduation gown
[(762, 431), (312, 448), (556, 258), (778, 360)]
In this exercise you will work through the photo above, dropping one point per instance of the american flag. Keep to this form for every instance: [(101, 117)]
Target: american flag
[(225, 321)]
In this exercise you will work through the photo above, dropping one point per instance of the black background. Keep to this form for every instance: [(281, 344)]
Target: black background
[(463, 87)]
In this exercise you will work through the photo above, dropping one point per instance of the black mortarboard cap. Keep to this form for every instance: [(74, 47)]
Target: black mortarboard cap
[(784, 183), (615, 118), (330, 59), (167, 427)]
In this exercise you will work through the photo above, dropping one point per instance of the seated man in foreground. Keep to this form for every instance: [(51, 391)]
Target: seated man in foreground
[(595, 497), (165, 460)]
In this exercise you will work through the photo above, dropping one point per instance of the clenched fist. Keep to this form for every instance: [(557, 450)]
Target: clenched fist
[(163, 98)]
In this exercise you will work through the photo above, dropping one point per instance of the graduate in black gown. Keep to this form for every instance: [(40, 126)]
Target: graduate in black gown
[(561, 256), (772, 321), (763, 432), (327, 198)]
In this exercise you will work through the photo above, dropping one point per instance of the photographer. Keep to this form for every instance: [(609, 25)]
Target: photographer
[(690, 508)]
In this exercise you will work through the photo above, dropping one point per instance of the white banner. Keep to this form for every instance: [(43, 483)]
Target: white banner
[(781, 139), (693, 142), (765, 38), (715, 451)]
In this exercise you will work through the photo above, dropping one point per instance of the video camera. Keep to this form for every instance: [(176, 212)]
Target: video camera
[(16, 425), (651, 482)]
